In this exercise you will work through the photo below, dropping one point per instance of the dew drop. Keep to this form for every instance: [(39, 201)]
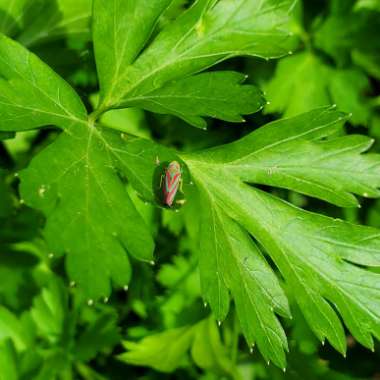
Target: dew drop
[(50, 255), (205, 304), (365, 194), (90, 302), (125, 288), (152, 262), (334, 105), (219, 323), (323, 342), (268, 102), (284, 370), (72, 284), (105, 299), (16, 175), (251, 350), (191, 183), (268, 362), (290, 52), (22, 201)]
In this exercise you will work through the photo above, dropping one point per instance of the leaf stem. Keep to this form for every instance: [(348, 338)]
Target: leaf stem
[(93, 116)]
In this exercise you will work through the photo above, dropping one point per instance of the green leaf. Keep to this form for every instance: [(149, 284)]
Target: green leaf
[(11, 16), (121, 29), (10, 327), (90, 216), (294, 154), (34, 22), (208, 33), (304, 82), (50, 20), (137, 158), (166, 351), (231, 261), (8, 361), (216, 94), (163, 351), (31, 94), (100, 335), (328, 274), (74, 181), (368, 4), (345, 33), (298, 85), (348, 89), (49, 311), (181, 279), (208, 351)]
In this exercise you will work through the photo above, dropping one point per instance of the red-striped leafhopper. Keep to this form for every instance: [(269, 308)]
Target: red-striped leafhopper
[(172, 182)]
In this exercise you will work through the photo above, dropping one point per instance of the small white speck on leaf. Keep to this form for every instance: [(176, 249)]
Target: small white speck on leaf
[(72, 284), (42, 191), (125, 288), (105, 299), (90, 302), (50, 255)]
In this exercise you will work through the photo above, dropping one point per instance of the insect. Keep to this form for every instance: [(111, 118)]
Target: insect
[(172, 178)]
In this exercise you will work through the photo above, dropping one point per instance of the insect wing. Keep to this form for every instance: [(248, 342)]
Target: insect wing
[(172, 182)]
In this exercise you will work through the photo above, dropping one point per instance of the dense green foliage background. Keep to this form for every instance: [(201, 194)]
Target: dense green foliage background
[(73, 306)]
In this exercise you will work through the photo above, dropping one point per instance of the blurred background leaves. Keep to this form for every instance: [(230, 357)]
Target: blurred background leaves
[(47, 332)]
